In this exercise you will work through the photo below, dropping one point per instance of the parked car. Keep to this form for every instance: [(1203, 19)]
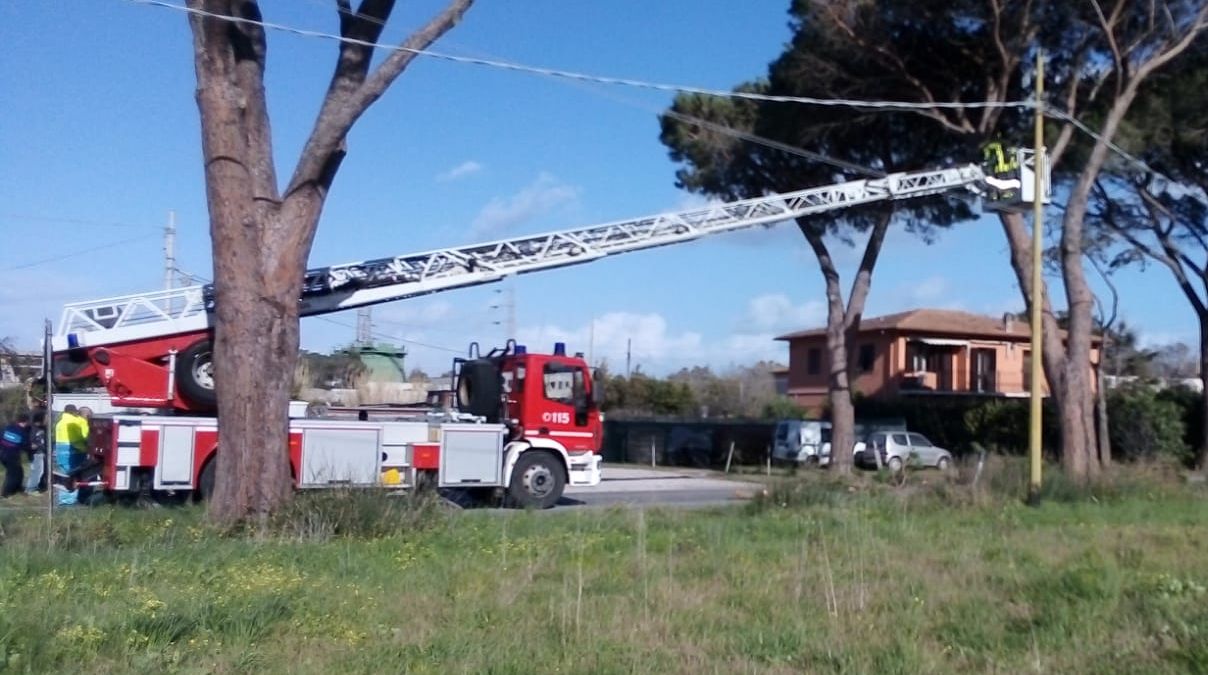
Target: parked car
[(898, 449)]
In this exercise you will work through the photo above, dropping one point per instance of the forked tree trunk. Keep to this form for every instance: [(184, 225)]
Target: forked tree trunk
[(842, 330), (262, 235)]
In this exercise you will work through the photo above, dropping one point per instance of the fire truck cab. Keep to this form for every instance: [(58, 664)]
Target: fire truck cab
[(527, 426)]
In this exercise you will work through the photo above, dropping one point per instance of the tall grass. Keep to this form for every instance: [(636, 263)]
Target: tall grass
[(868, 577)]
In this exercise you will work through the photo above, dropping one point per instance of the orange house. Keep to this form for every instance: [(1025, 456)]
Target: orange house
[(923, 352)]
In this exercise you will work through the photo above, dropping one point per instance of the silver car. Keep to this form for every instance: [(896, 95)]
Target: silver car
[(901, 448)]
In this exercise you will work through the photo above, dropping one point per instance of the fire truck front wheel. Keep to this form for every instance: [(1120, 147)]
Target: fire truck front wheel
[(195, 374), (538, 479)]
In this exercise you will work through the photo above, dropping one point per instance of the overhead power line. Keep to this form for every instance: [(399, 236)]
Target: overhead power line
[(599, 79), (75, 221), (383, 336), (776, 145), (1121, 152), (643, 84), (91, 249)]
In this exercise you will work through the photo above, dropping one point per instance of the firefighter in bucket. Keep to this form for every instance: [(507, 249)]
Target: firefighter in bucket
[(1001, 168)]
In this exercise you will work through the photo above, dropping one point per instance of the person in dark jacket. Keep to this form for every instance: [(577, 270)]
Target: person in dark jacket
[(37, 454), (14, 443)]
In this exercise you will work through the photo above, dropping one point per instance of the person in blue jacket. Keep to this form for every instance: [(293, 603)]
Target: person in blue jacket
[(14, 441)]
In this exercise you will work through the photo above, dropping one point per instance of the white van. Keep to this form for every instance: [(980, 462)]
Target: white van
[(802, 442)]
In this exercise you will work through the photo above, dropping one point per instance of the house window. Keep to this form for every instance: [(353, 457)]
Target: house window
[(983, 371), (813, 361), (868, 356), (1027, 371)]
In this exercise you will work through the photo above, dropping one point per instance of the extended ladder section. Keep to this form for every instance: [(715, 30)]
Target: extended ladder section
[(340, 287)]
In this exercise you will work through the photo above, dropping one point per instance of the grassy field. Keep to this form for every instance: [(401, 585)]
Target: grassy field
[(815, 577)]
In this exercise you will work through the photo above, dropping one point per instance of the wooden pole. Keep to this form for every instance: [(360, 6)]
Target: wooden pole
[(1037, 410), (48, 420)]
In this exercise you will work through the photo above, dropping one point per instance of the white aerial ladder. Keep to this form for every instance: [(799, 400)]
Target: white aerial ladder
[(136, 320)]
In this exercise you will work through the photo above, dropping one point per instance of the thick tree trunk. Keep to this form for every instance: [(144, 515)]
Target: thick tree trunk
[(1202, 463), (843, 412), (1079, 449), (256, 286), (257, 334)]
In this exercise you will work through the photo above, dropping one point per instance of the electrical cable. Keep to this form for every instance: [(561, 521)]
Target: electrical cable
[(388, 337), (572, 75), (712, 126), (63, 256), (1121, 152), (75, 221)]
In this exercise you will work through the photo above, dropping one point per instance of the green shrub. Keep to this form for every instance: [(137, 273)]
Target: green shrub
[(1143, 424), (1188, 402), (325, 514), (957, 422)]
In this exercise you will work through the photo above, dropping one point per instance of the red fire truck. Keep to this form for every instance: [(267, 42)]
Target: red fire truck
[(527, 426), (527, 423)]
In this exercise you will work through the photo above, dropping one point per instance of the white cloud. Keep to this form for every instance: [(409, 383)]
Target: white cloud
[(467, 168), (928, 290), (748, 348), (543, 196), (777, 310), (646, 336), (657, 348)]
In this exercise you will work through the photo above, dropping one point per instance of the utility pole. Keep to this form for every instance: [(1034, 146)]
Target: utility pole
[(509, 303), (365, 327), (628, 355), (170, 251), (591, 342), (1037, 410)]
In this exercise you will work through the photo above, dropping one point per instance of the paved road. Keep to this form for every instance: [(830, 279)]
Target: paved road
[(637, 486)]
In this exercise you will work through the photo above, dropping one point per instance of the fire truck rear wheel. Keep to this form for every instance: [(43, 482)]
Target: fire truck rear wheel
[(537, 481), (205, 483), (195, 374)]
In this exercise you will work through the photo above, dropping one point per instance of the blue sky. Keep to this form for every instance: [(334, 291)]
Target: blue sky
[(99, 140)]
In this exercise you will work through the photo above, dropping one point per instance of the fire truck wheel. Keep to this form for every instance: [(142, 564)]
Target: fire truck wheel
[(205, 483), (479, 388), (537, 481), (195, 374)]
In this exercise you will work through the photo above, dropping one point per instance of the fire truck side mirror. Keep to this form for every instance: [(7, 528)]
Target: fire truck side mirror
[(597, 388)]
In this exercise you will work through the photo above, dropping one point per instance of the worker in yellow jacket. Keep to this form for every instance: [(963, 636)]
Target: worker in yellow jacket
[(71, 446)]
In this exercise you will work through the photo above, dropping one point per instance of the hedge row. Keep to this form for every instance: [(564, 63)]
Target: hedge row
[(1142, 421)]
